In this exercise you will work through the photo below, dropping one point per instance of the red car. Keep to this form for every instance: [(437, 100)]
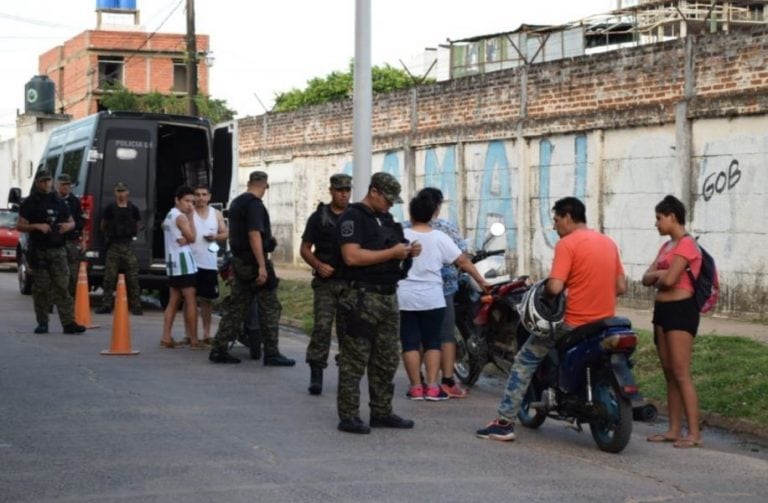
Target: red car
[(9, 236)]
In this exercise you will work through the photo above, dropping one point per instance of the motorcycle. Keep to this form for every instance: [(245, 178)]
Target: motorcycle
[(487, 325), (587, 378)]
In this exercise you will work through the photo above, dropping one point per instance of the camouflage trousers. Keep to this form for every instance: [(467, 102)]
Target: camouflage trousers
[(73, 261), (370, 342), (237, 305), (120, 256), (326, 297), (50, 280), (526, 362)]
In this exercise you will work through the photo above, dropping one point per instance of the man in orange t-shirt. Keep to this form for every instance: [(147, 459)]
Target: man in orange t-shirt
[(586, 265)]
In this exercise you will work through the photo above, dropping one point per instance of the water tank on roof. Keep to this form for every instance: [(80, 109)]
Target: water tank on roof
[(106, 4), (126, 4), (40, 95)]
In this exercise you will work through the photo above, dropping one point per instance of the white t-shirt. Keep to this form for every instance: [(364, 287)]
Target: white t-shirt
[(422, 290), (178, 258), (205, 258)]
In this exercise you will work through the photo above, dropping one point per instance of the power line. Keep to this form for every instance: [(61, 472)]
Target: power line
[(35, 22)]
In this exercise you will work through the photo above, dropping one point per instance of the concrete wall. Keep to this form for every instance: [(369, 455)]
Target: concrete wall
[(619, 130)]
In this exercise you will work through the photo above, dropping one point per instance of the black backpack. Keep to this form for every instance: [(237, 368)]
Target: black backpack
[(707, 285)]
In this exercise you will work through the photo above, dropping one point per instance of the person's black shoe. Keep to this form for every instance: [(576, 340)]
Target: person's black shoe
[(255, 352), (390, 421), (42, 328), (278, 360), (73, 328), (222, 357), (315, 381), (354, 425), (104, 310)]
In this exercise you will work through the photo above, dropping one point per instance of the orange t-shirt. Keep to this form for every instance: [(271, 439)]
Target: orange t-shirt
[(588, 263)]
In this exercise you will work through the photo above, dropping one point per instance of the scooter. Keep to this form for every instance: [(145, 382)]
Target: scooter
[(588, 379)]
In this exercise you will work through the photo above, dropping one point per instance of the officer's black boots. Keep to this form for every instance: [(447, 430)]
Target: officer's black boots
[(222, 357), (42, 328), (278, 360), (315, 381), (354, 425), (73, 328), (391, 421)]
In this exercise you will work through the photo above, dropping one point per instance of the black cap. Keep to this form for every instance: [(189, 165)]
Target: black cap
[(43, 174), (64, 178), (121, 187)]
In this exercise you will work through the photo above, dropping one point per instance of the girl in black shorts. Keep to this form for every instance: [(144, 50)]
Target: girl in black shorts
[(676, 320)]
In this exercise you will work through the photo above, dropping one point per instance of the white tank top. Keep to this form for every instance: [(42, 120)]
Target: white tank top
[(204, 258), (178, 258)]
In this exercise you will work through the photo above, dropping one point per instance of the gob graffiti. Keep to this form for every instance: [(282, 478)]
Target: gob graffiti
[(720, 181)]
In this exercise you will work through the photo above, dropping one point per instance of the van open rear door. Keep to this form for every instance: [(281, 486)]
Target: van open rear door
[(224, 177)]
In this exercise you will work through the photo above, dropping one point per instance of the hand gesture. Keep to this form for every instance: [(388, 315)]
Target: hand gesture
[(325, 270)]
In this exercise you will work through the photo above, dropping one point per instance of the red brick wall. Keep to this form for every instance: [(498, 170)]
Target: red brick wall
[(628, 87), (151, 69)]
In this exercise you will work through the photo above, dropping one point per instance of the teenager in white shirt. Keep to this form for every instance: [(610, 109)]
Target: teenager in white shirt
[(421, 300)]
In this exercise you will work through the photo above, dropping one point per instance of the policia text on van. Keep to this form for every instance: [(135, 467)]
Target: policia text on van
[(151, 153)]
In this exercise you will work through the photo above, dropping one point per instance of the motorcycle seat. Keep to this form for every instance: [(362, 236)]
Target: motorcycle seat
[(584, 332)]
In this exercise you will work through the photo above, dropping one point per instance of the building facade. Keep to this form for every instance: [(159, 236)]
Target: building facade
[(87, 66)]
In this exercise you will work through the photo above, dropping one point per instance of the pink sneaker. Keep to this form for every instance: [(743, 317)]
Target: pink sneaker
[(435, 394), (454, 391), (416, 392)]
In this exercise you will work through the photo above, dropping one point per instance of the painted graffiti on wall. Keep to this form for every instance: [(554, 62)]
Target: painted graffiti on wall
[(721, 181), (547, 175), (389, 164), (442, 175), (496, 195)]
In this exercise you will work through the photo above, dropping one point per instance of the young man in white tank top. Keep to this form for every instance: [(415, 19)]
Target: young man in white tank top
[(210, 228)]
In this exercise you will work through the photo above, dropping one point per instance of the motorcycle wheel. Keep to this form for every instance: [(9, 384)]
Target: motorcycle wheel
[(531, 418), (612, 431), (466, 367)]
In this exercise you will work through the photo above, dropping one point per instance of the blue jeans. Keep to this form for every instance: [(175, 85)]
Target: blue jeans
[(526, 362)]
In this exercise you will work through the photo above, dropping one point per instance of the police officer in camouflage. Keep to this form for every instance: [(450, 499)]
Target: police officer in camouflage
[(251, 241), (374, 251), (45, 217), (320, 249), (72, 238), (120, 225)]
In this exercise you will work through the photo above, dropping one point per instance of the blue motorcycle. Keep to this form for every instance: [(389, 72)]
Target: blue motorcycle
[(587, 378)]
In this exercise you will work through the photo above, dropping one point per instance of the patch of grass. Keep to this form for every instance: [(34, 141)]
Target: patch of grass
[(296, 298), (730, 373)]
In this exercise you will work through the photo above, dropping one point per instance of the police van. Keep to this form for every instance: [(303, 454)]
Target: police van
[(152, 154)]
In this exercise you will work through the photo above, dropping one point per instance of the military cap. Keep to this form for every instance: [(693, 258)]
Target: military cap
[(341, 181), (43, 174), (121, 187), (387, 185), (257, 176), (64, 178)]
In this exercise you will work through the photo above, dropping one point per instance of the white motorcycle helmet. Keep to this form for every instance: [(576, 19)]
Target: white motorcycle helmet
[(540, 316)]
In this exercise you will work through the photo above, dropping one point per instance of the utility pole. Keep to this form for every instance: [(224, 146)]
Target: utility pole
[(362, 146), (191, 59)]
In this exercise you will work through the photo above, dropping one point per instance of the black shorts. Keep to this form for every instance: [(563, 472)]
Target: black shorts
[(183, 281), (677, 315), (207, 284)]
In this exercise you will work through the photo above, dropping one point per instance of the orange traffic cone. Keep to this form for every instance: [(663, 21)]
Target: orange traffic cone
[(121, 331), (83, 299)]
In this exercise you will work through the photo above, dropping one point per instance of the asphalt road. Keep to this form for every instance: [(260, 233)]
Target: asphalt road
[(166, 425)]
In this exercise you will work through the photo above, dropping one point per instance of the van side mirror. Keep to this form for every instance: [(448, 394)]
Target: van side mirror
[(14, 197)]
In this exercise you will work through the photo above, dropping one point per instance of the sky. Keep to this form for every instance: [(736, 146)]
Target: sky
[(262, 48)]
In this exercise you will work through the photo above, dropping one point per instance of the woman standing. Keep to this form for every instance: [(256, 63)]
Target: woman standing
[(421, 300), (676, 319)]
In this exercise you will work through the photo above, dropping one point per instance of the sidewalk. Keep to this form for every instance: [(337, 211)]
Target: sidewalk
[(641, 318)]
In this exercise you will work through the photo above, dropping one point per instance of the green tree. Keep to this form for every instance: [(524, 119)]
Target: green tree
[(337, 86), (120, 99)]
